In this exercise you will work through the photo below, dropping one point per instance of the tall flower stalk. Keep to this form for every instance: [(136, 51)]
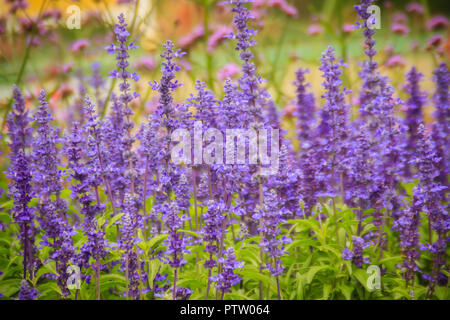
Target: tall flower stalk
[(19, 172)]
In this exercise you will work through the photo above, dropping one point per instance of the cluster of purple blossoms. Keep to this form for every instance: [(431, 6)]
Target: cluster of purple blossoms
[(213, 230), (429, 199), (270, 217), (357, 254), (47, 181), (414, 106), (227, 277), (26, 292), (369, 73), (333, 128), (440, 129), (305, 110), (20, 188), (84, 187), (408, 227), (254, 97)]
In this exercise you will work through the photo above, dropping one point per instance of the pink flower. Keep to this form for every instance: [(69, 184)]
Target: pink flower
[(414, 46), (400, 29), (217, 37), (258, 3), (283, 6), (389, 49), (79, 45), (17, 4), (145, 63), (395, 61), (416, 8), (435, 41), (315, 29), (228, 71), (289, 109), (399, 17), (189, 39), (437, 22), (348, 28)]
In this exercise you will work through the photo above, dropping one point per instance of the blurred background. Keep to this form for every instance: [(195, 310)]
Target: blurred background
[(40, 50)]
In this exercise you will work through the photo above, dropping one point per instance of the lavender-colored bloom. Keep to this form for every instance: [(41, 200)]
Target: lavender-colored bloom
[(369, 73), (227, 277), (47, 183), (347, 254), (183, 293), (441, 131), (122, 73), (213, 229), (414, 105), (250, 80), (270, 217), (408, 227), (176, 242), (360, 169), (81, 176), (26, 292), (305, 109), (166, 110), (333, 127), (429, 198), (205, 105), (356, 255), (19, 172), (131, 222)]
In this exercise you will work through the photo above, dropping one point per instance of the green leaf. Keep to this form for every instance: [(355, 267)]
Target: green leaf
[(114, 219)]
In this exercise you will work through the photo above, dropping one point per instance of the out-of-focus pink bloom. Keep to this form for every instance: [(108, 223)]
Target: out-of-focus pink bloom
[(283, 6), (185, 64), (437, 22), (314, 29), (388, 5), (400, 29), (289, 110), (416, 8), (258, 3), (64, 91), (395, 61), (66, 68), (414, 46), (228, 71), (52, 13), (27, 25), (79, 45), (399, 17), (435, 42), (189, 39), (145, 63), (16, 5), (348, 28), (217, 37), (389, 49), (35, 41)]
